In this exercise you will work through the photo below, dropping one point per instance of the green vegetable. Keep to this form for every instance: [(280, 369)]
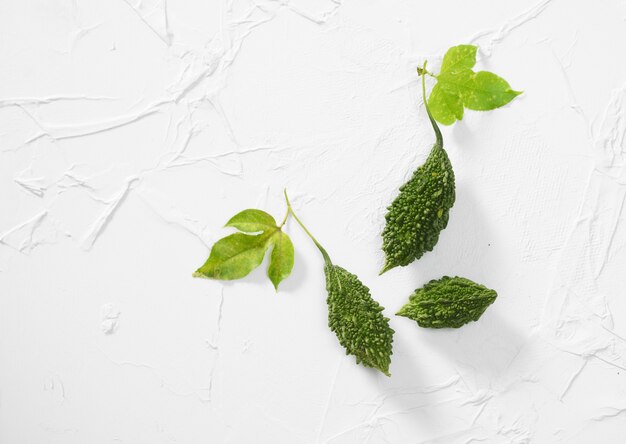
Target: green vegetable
[(448, 303), (421, 210), (235, 256), (357, 320), (458, 87), (353, 315)]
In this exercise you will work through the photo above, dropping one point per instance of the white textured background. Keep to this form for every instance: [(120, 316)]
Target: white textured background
[(130, 131)]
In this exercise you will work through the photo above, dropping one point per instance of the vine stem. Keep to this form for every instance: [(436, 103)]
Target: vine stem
[(285, 218), (317, 244), (421, 72)]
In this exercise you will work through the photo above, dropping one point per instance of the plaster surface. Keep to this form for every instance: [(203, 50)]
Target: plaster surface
[(130, 131)]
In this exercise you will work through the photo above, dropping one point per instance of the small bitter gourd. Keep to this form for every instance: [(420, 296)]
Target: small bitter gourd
[(448, 303), (421, 210)]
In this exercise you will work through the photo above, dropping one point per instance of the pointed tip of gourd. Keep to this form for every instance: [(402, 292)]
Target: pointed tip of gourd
[(384, 371), (385, 268), (197, 274)]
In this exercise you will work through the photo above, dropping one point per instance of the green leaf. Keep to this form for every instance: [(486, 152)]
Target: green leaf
[(234, 256), (448, 303), (459, 58), (446, 106), (459, 87), (487, 91), (252, 221), (281, 259), (357, 319)]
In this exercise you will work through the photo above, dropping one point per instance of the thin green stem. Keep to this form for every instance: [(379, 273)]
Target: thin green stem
[(317, 244), (284, 218), (430, 116)]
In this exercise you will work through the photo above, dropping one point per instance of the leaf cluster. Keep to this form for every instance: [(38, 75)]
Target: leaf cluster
[(459, 87), (236, 255)]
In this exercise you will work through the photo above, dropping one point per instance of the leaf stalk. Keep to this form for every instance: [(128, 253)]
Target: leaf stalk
[(317, 244), (421, 72)]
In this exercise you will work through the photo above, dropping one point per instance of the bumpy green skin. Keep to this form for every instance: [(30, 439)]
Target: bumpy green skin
[(420, 211), (357, 319), (448, 303)]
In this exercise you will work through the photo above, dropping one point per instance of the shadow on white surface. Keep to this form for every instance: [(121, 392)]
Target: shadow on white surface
[(468, 247), (298, 276)]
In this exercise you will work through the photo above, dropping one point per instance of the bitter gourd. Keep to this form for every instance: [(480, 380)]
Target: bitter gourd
[(448, 303), (421, 210), (353, 315), (357, 319)]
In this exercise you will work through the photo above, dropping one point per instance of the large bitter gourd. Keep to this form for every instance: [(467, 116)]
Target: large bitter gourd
[(421, 210)]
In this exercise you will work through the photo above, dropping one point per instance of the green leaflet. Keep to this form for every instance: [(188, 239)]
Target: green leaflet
[(252, 221), (448, 303), (357, 319), (236, 255), (421, 210), (281, 260), (459, 87), (459, 58)]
